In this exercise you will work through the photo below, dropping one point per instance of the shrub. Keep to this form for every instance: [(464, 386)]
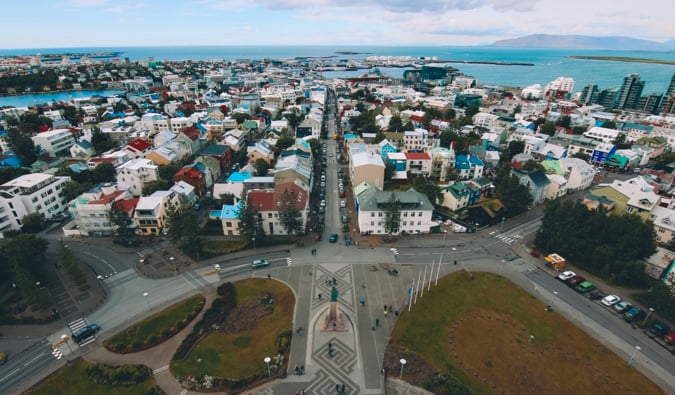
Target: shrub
[(152, 339), (118, 375)]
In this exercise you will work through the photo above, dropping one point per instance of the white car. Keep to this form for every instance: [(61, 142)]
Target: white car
[(323, 203), (610, 300), (343, 204), (566, 275), (260, 263)]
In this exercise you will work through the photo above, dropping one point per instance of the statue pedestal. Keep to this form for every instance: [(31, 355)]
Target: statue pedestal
[(332, 321)]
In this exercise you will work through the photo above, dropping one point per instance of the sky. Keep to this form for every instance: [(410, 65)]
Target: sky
[(117, 23)]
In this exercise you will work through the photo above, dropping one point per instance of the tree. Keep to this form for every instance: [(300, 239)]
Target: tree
[(285, 142), (240, 117), (578, 130), (33, 223), (27, 252), (379, 136), (447, 137), (548, 128), (261, 167), (620, 142), (10, 173), (429, 189), (389, 171), (564, 121), (152, 186), (514, 195), (395, 124), (122, 226), (250, 222), (289, 213), (104, 172), (609, 125), (471, 111), (23, 147), (514, 148), (392, 215), (100, 141), (73, 189), (183, 230), (294, 118), (532, 165)]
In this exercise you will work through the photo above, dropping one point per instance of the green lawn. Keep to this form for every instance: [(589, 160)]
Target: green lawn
[(239, 355), (73, 380), (476, 329), (161, 326)]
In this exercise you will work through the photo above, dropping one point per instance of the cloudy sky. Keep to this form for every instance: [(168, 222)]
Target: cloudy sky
[(104, 23)]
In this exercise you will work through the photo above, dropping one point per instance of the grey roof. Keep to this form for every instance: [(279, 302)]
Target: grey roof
[(373, 198)]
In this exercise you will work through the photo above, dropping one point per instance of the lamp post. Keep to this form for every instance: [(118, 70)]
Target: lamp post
[(502, 226), (267, 362), (403, 362), (445, 233), (637, 348), (147, 301), (651, 310), (253, 238)]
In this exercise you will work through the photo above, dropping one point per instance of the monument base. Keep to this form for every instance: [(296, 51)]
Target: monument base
[(332, 322)]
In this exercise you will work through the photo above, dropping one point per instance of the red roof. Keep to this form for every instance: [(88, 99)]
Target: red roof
[(189, 171), (192, 132), (126, 205), (280, 189), (139, 145), (416, 118), (105, 199), (417, 156), (103, 160), (262, 200)]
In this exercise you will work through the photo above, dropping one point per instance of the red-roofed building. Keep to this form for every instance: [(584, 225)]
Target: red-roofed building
[(92, 163), (268, 204), (92, 210), (418, 163), (138, 148), (193, 175)]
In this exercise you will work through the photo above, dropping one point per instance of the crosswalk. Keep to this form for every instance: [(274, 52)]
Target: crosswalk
[(508, 239)]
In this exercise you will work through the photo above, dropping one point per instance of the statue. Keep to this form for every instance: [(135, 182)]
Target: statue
[(334, 294), (332, 321)]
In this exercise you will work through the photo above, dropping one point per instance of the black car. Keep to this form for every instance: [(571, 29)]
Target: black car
[(659, 329), (634, 314)]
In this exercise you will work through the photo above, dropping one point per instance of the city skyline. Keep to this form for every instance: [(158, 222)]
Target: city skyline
[(107, 23)]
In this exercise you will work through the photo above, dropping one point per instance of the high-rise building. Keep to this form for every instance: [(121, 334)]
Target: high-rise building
[(670, 95), (650, 103), (630, 91), (607, 98), (590, 94)]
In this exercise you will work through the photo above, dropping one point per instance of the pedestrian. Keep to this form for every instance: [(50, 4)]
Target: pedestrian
[(385, 306), (334, 281), (337, 388), (385, 313), (344, 390), (320, 296), (269, 276), (390, 308), (302, 369), (377, 322), (396, 313)]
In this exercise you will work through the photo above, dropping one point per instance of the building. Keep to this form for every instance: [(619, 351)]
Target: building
[(367, 167), (630, 92), (28, 194), (371, 206), (152, 211), (194, 174), (136, 173), (92, 210), (55, 142)]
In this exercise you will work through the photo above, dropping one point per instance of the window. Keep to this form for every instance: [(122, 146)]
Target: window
[(405, 213), (228, 224), (412, 214), (419, 223), (379, 214), (372, 213), (269, 215), (419, 214), (404, 223), (372, 223)]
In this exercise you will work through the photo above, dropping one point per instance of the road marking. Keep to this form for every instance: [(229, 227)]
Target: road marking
[(183, 392), (33, 360), (10, 373), (159, 370), (493, 232)]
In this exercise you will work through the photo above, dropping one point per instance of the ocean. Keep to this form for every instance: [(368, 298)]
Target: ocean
[(548, 63)]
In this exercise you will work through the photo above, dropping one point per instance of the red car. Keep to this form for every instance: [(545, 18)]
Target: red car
[(669, 338), (576, 280)]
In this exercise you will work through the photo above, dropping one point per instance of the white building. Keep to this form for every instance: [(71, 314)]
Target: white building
[(415, 210), (56, 142), (30, 193), (603, 134), (136, 173), (92, 210), (565, 84)]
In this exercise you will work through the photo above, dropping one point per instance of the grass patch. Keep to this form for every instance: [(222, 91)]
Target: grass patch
[(485, 333), (73, 379), (238, 355), (223, 246), (157, 328)]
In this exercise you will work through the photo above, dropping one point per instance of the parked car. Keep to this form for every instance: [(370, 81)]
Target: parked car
[(597, 295), (634, 314), (333, 237), (323, 203), (566, 275), (622, 306), (345, 219), (576, 280), (660, 329), (343, 204), (669, 338), (585, 287), (611, 300), (259, 263), (342, 193)]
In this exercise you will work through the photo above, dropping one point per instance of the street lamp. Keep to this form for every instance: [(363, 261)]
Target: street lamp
[(267, 362), (651, 310), (147, 301), (403, 362), (445, 233), (502, 226), (637, 348), (253, 238)]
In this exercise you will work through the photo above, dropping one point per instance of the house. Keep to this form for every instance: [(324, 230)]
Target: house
[(536, 181), (229, 218), (82, 149), (213, 166), (194, 174), (261, 150), (456, 196), (235, 139), (267, 203), (28, 194), (293, 165), (415, 140), (468, 167), (442, 163), (136, 173), (138, 148), (371, 206), (631, 196), (170, 152), (602, 152), (578, 172), (222, 153), (186, 192), (557, 186), (366, 167), (55, 142), (92, 210), (663, 219), (385, 148), (418, 163), (152, 211), (234, 185)]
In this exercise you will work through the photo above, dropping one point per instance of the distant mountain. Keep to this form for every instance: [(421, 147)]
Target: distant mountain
[(584, 42)]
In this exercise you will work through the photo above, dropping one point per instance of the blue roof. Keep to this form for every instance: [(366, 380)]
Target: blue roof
[(11, 161), (239, 176), (85, 144), (229, 212), (78, 167), (476, 161), (462, 162), (201, 128)]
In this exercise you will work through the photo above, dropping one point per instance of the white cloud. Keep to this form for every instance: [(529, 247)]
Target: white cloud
[(87, 3)]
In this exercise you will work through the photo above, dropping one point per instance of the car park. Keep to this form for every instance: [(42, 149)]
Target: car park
[(585, 287), (576, 280), (659, 329), (332, 238), (622, 306), (566, 275), (259, 263), (633, 314), (610, 300)]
